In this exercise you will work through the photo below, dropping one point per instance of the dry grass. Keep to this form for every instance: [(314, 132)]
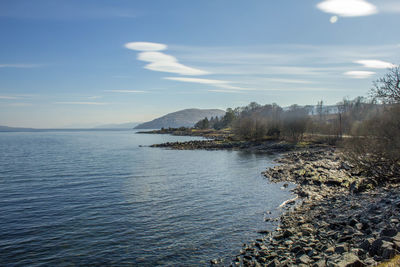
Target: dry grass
[(395, 262)]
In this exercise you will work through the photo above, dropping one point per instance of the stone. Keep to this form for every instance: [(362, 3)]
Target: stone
[(304, 259), (375, 247), (388, 251), (366, 244), (359, 226), (397, 237), (320, 263), (214, 262), (273, 263), (340, 249), (390, 232), (330, 250), (350, 260), (397, 245), (345, 238), (247, 257)]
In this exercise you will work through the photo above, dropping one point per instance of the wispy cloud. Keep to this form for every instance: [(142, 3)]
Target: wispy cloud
[(159, 61), (216, 83), (348, 8), (81, 103), (225, 91), (375, 64), (388, 6), (8, 97), (145, 46), (359, 74), (125, 91), (20, 65), (19, 104), (294, 81)]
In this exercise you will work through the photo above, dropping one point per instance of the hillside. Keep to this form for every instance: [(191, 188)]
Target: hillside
[(186, 118)]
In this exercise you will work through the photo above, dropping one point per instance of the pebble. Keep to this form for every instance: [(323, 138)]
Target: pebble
[(342, 220)]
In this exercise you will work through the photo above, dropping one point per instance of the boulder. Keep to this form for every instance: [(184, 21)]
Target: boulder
[(349, 260)]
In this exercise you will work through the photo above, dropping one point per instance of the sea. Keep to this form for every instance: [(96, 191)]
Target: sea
[(105, 198)]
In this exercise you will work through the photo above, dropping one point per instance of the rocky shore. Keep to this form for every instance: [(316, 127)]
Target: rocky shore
[(340, 218), (262, 147)]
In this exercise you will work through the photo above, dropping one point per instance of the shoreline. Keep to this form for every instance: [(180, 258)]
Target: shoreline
[(338, 218)]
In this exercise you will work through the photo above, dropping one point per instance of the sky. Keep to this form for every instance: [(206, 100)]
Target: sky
[(82, 63)]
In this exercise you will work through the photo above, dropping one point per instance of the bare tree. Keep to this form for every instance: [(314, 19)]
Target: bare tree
[(375, 146), (387, 88)]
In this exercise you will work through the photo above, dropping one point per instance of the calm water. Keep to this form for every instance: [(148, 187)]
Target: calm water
[(97, 198)]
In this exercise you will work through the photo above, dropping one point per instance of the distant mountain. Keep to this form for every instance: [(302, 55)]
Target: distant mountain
[(15, 129), (185, 118), (128, 125)]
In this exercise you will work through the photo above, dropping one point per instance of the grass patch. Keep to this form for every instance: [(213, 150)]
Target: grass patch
[(395, 262)]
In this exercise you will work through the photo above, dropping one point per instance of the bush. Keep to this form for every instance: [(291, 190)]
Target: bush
[(249, 128), (375, 145), (294, 123)]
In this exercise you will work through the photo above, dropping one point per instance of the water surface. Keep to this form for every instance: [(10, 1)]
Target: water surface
[(97, 198)]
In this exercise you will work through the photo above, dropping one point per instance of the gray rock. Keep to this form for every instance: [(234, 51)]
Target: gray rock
[(375, 247), (397, 237), (390, 232), (388, 250), (359, 226), (350, 260), (366, 244), (304, 259), (340, 249), (320, 263), (273, 263)]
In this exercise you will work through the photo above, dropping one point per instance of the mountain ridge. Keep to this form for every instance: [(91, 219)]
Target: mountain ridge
[(181, 118)]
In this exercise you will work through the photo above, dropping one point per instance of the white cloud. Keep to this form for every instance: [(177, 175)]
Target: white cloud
[(174, 67), (167, 63), (225, 91), (216, 83), (348, 8), (22, 65), (145, 46), (375, 64), (81, 103), (155, 57), (197, 80), (124, 91), (8, 97), (279, 80), (359, 74), (159, 61)]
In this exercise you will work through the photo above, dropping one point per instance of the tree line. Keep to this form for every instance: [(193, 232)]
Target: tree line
[(370, 125)]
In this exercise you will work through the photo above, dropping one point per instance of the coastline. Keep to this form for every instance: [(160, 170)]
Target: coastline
[(338, 218)]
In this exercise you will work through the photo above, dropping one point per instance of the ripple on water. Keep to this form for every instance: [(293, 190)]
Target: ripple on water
[(98, 198)]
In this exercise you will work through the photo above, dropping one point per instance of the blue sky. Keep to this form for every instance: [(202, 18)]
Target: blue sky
[(89, 62)]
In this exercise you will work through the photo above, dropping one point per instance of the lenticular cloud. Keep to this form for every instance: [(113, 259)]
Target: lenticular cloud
[(348, 8), (375, 64), (158, 61), (359, 74), (145, 46)]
